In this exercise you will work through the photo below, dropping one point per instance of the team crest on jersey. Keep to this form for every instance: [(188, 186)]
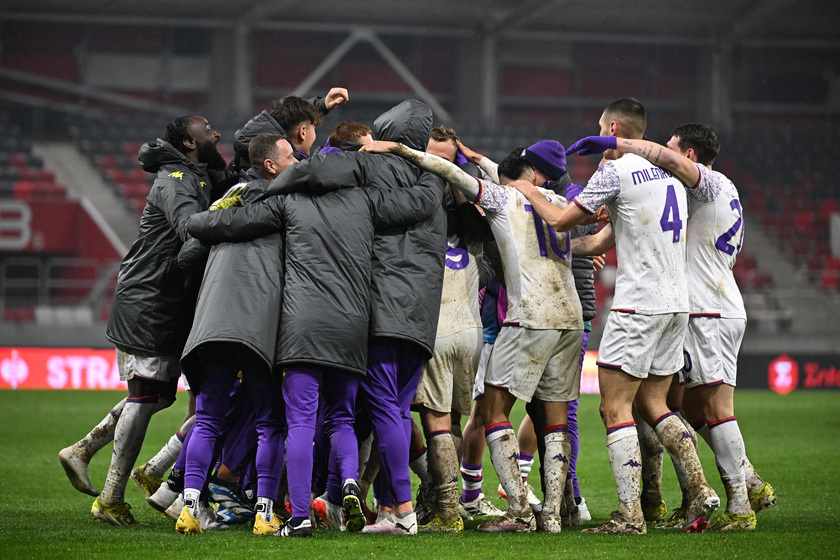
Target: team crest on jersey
[(202, 184), (178, 175)]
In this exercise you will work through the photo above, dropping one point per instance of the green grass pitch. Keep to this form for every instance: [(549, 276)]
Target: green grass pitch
[(793, 440)]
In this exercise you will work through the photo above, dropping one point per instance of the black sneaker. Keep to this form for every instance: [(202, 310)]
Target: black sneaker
[(297, 527), (354, 515)]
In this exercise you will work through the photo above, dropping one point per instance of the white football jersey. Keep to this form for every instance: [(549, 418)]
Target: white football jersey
[(648, 211), (538, 261), (715, 237), (459, 300)]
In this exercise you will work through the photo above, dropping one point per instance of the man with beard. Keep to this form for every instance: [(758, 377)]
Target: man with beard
[(153, 306)]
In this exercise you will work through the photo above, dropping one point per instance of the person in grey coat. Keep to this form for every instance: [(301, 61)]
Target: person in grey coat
[(234, 333), (405, 296), (330, 265)]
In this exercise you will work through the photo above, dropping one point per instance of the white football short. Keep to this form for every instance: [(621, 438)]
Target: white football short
[(711, 350), (147, 366), (481, 371), (541, 363), (642, 345), (447, 380)]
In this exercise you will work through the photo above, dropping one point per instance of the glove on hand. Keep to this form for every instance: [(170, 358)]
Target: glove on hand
[(593, 145)]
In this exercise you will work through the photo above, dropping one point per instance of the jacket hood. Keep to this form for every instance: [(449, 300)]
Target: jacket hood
[(410, 123), (154, 155)]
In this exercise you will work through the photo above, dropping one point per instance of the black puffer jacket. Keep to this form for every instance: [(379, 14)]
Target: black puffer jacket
[(154, 299), (241, 293), (407, 262), (329, 241), (581, 266)]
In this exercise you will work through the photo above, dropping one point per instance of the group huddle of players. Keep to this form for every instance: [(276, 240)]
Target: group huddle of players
[(312, 301)]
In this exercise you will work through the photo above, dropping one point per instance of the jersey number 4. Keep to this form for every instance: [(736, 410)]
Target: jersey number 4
[(564, 253), (670, 220)]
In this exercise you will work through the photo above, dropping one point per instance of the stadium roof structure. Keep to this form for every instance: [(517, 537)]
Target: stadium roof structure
[(727, 21)]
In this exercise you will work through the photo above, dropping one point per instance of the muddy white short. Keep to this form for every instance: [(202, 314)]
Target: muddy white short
[(541, 363), (147, 366), (711, 350), (447, 380), (642, 345)]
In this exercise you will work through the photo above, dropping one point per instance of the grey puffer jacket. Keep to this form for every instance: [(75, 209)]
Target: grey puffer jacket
[(241, 293), (154, 299), (581, 266), (407, 261)]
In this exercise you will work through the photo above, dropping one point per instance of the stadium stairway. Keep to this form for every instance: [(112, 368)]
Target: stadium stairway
[(84, 181), (794, 312)]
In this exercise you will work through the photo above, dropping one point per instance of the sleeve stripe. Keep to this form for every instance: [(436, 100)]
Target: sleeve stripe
[(582, 207), (480, 190)]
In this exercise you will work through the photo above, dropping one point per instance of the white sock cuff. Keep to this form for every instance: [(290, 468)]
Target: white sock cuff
[(496, 431), (621, 431)]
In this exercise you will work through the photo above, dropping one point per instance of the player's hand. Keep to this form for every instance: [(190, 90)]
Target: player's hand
[(593, 145), (598, 262), (336, 96), (523, 186), (602, 215), (472, 156), (379, 147)]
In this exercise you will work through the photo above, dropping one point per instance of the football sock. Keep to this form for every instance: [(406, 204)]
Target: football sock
[(471, 477), (651, 452), (191, 496), (730, 455), (418, 463), (128, 439), (504, 454), (168, 454), (526, 461), (458, 440), (101, 435), (680, 445), (626, 462), (558, 449), (443, 468), (754, 482), (265, 506)]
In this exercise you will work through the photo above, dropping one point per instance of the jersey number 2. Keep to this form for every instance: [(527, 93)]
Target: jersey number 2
[(670, 220), (722, 243)]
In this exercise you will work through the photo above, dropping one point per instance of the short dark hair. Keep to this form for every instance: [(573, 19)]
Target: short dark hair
[(261, 148), (630, 112), (701, 138), (293, 111), (444, 134), (177, 131), (350, 131), (514, 166)]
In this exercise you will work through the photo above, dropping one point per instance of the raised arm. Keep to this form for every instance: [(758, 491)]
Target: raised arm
[(447, 171), (683, 168), (486, 164)]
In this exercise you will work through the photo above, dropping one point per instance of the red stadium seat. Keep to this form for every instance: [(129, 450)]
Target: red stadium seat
[(830, 280)]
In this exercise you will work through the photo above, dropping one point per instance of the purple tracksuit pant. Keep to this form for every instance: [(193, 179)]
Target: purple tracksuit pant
[(571, 422), (222, 362), (301, 388), (394, 368)]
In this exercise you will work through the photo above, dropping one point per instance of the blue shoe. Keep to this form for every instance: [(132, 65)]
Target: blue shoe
[(233, 500), (229, 517)]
